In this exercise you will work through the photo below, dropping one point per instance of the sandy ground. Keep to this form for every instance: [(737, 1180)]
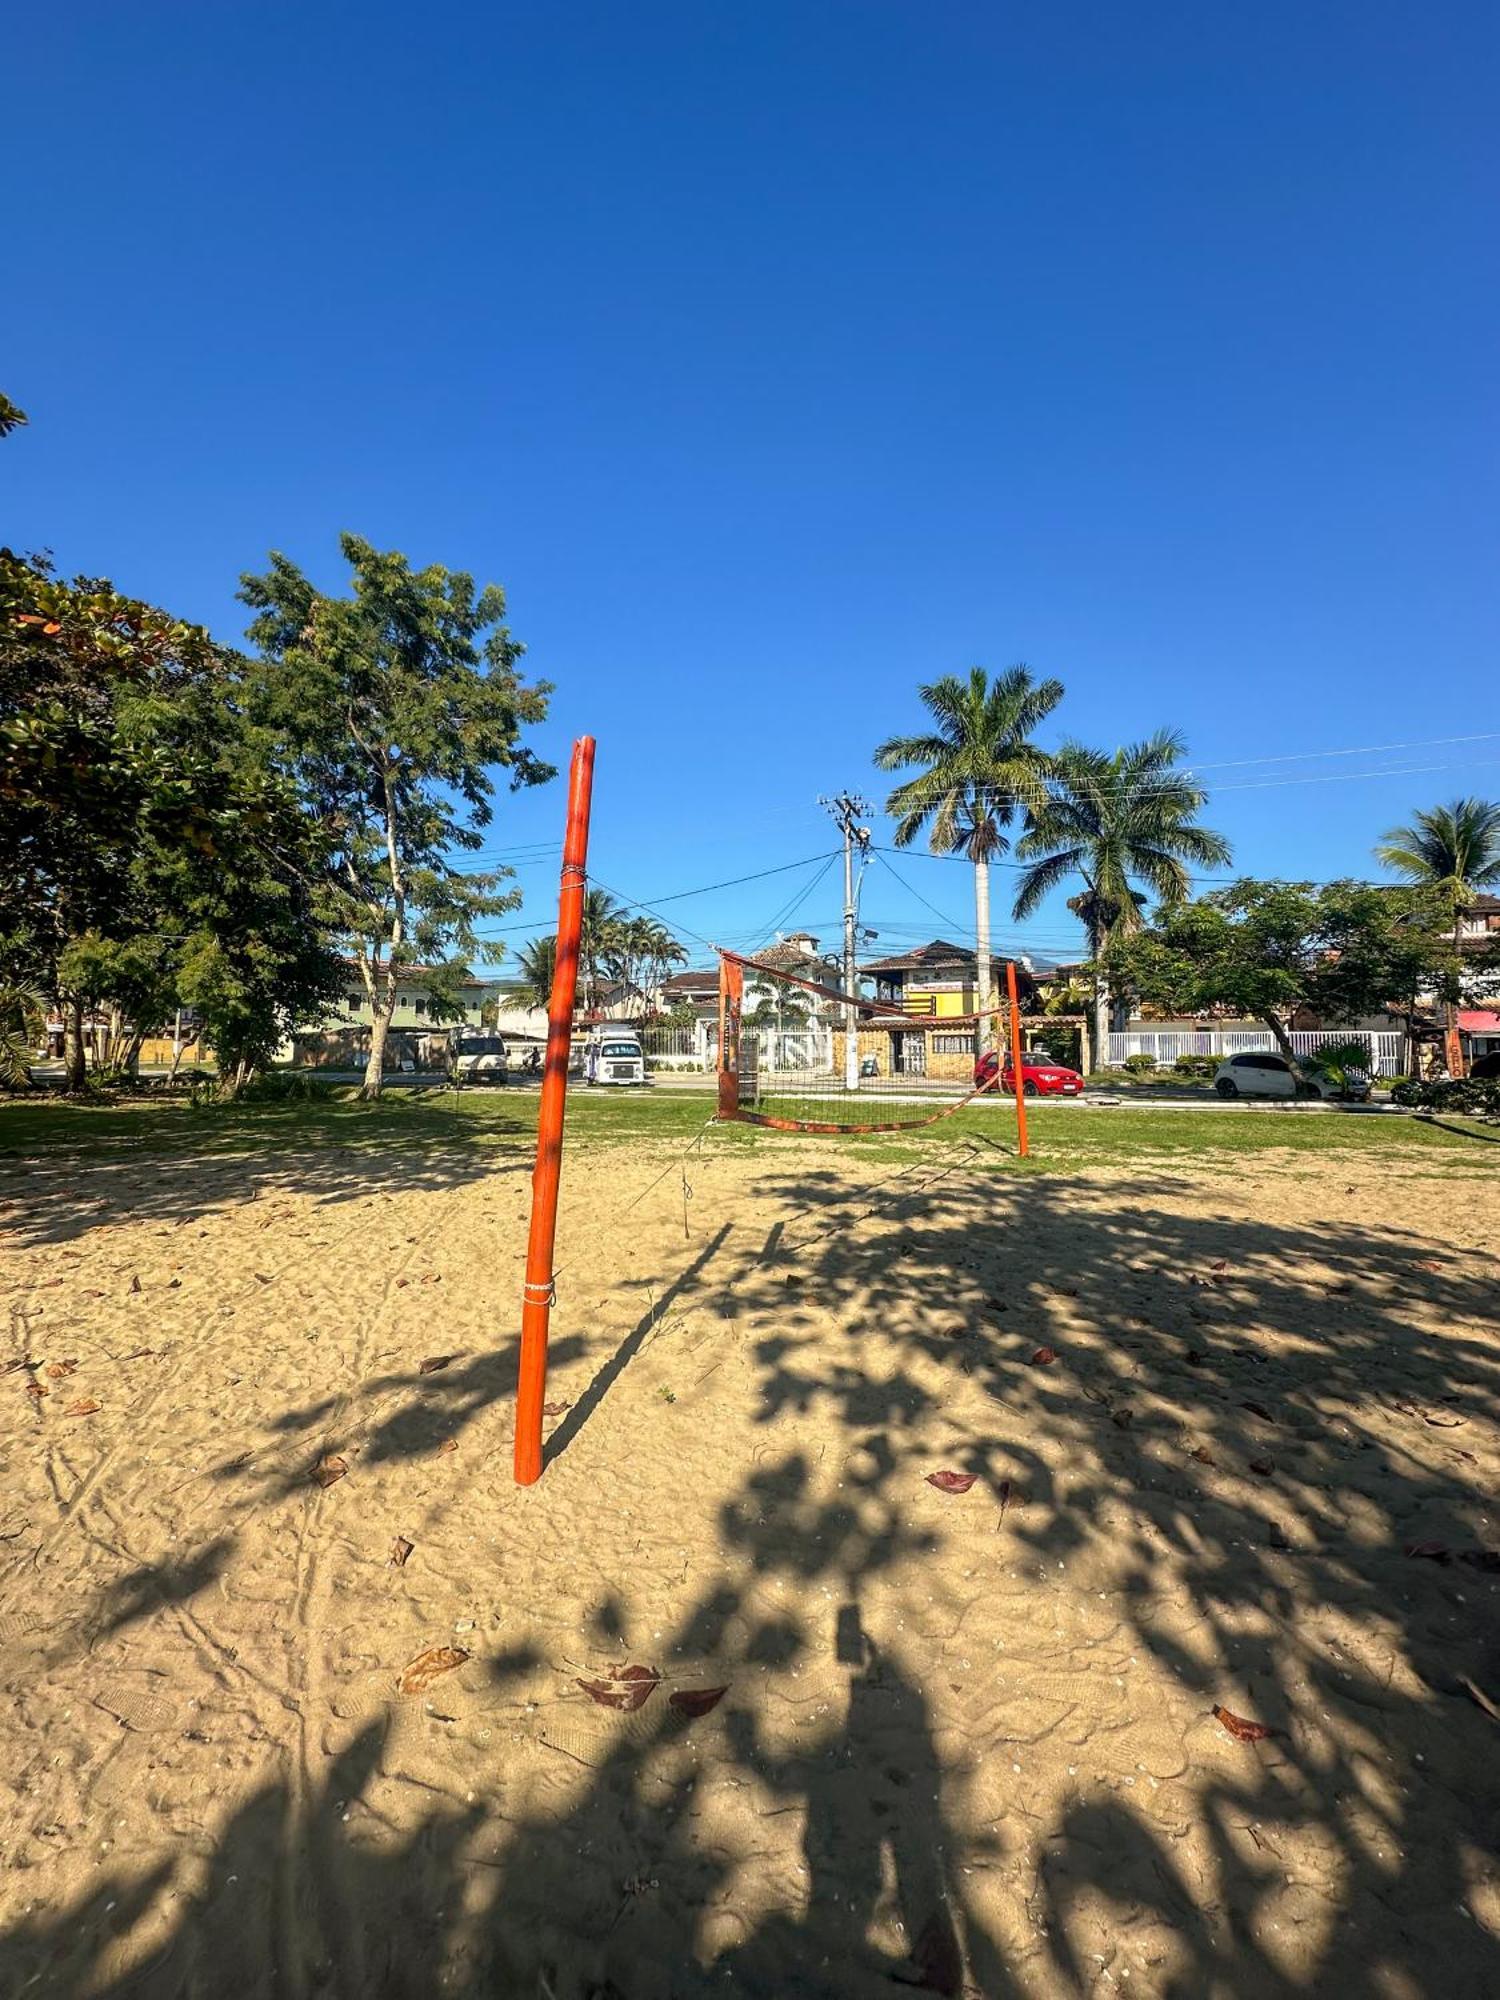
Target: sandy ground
[(967, 1741)]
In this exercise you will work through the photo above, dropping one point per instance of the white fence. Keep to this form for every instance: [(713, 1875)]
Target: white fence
[(1165, 1045)]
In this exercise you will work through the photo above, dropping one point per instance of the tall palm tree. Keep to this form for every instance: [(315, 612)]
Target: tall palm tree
[(1113, 821), (981, 768), (536, 963), (603, 919), (1454, 849)]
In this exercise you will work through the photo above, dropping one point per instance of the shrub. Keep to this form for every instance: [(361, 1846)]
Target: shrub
[(1196, 1066), (1478, 1096), (1140, 1065)]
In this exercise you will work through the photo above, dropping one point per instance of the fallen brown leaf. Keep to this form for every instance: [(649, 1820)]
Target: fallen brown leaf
[(1443, 1421), (625, 1688), (1260, 1410), (135, 1284), (84, 1407), (1264, 1467), (57, 1369), (433, 1363), (697, 1701), (401, 1548), (1438, 1552), (1044, 1357), (555, 1409), (1480, 1696), (447, 1445), (1243, 1730), (419, 1674), (951, 1482), (1004, 1499), (1203, 1455), (330, 1470), (36, 1391)]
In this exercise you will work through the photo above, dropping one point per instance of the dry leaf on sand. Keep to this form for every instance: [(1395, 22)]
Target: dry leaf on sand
[(1240, 1727), (433, 1363), (951, 1482), (401, 1548), (1044, 1357), (84, 1407), (330, 1470), (625, 1688), (419, 1674), (697, 1701)]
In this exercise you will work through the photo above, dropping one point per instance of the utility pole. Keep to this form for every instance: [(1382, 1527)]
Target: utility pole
[(848, 809)]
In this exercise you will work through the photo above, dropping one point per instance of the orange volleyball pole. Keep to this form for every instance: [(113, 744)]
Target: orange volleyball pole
[(1023, 1145), (536, 1298)]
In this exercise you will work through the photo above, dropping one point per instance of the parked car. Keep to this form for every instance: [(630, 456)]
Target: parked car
[(1485, 1068), (1259, 1073), (1040, 1076), (481, 1057), (614, 1055)]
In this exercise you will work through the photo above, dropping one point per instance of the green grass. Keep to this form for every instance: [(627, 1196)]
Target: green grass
[(1063, 1140)]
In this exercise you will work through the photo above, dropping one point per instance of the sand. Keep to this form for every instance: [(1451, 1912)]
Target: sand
[(967, 1742)]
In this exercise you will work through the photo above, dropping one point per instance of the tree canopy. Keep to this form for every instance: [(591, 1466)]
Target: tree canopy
[(389, 708), (1265, 949)]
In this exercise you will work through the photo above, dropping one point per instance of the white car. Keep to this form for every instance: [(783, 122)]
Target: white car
[(1259, 1073), (482, 1058)]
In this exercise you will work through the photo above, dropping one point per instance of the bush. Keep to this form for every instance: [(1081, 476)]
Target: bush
[(1478, 1096), (1140, 1065), (1198, 1067)]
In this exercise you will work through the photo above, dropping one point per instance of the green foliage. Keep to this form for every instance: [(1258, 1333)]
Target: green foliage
[(1112, 821), (20, 1030), (138, 829), (1197, 1068), (1061, 1043), (980, 765), (11, 418), (1266, 948), (1140, 1065), (388, 709), (1479, 1097), (537, 965), (1454, 848)]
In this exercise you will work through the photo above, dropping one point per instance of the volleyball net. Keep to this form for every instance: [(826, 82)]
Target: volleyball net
[(802, 1055)]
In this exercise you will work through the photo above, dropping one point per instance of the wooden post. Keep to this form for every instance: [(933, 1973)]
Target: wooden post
[(536, 1301), (1023, 1145)]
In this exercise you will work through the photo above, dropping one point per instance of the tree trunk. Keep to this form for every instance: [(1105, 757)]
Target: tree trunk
[(74, 1059), (380, 1025), (1453, 1047), (984, 1028), (1283, 1042)]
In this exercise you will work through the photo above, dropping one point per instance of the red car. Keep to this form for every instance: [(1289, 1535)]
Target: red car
[(1040, 1076)]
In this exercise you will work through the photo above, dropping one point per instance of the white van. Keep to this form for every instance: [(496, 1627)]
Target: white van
[(614, 1054)]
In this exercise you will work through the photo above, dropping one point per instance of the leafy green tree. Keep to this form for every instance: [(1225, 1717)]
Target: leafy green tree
[(11, 419), (1266, 949), (1454, 850), (979, 769), (1113, 821), (390, 708), (134, 815)]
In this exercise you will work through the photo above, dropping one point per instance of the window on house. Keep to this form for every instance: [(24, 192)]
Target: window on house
[(355, 1000), (420, 1006), (953, 1045)]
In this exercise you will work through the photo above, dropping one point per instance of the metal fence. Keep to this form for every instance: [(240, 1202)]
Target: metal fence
[(1388, 1055)]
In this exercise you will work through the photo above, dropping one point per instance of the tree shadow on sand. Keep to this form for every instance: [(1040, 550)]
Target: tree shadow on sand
[(1186, 1349)]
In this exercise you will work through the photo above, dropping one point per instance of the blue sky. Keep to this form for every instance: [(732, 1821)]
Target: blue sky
[(778, 358)]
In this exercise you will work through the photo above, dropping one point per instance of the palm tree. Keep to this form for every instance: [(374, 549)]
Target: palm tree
[(981, 767), (1113, 820), (20, 1005), (536, 963), (1454, 849), (603, 921)]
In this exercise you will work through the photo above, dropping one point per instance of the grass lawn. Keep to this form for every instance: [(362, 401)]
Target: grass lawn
[(1062, 1140)]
